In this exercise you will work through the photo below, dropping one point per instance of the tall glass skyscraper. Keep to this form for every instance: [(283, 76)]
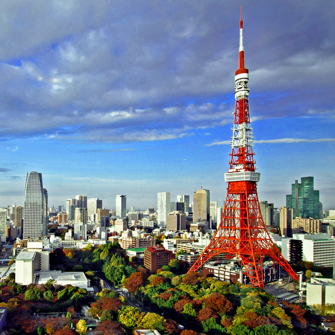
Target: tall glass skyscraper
[(34, 224), (304, 200)]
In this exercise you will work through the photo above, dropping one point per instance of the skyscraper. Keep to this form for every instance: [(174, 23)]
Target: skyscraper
[(34, 221), (185, 199), (81, 201), (3, 220), (18, 217), (267, 212), (201, 200), (92, 206), (121, 206), (163, 207), (304, 200)]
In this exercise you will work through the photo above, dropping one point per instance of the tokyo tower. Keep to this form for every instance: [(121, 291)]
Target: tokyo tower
[(241, 232)]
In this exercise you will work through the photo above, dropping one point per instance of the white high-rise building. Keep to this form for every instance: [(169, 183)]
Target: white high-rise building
[(213, 208), (163, 207), (121, 206), (3, 219), (92, 206)]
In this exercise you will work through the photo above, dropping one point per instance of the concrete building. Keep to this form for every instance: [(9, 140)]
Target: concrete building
[(77, 279), (69, 203), (310, 225), (120, 225), (163, 207), (316, 248), (80, 215), (267, 212), (201, 200), (320, 291), (102, 213), (156, 257), (34, 209), (186, 200), (92, 206), (121, 206), (286, 218), (81, 201), (213, 211), (219, 214), (3, 221), (27, 262), (128, 241), (18, 217), (175, 221), (62, 218)]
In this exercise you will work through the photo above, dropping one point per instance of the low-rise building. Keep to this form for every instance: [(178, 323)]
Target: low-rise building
[(156, 257)]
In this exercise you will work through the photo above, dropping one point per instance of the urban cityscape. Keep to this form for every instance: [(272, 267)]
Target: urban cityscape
[(248, 249)]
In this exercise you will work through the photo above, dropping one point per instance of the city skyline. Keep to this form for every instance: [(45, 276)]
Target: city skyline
[(133, 98)]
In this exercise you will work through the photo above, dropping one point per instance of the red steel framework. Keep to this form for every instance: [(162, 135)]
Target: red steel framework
[(241, 232)]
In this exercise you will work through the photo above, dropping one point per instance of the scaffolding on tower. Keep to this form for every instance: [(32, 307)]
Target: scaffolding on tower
[(241, 232)]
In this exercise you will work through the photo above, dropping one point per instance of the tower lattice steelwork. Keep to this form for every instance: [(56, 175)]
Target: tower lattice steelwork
[(242, 232)]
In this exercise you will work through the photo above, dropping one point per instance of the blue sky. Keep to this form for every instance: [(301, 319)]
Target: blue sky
[(136, 97)]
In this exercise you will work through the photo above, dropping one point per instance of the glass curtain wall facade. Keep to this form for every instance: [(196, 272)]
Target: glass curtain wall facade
[(304, 200), (34, 224)]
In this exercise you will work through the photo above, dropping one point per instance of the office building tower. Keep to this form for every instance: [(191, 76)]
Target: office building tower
[(18, 217), (81, 201), (163, 207), (219, 213), (276, 217), (186, 200), (178, 206), (175, 221), (80, 215), (70, 214), (286, 218), (45, 211), (33, 216), (121, 206), (70, 202), (267, 212), (304, 200), (3, 220), (102, 213), (201, 200), (12, 212), (92, 206), (213, 209)]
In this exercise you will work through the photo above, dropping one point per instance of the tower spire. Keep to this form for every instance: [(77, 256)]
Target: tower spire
[(241, 232)]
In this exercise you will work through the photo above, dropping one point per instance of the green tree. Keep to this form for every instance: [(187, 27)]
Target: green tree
[(130, 316), (31, 294), (153, 321), (48, 295), (189, 312)]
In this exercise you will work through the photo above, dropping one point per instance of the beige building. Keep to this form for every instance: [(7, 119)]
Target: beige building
[(286, 218), (127, 241), (80, 215), (102, 213), (18, 217), (201, 205), (310, 226), (120, 225), (175, 221)]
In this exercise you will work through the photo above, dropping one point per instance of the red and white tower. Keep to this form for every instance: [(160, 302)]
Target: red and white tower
[(242, 232)]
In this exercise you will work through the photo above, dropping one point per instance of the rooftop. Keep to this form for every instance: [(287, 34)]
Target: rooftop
[(26, 256)]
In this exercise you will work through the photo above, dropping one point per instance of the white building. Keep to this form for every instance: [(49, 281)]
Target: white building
[(92, 207), (120, 225), (3, 219), (27, 262), (213, 211), (163, 207), (316, 248), (121, 206)]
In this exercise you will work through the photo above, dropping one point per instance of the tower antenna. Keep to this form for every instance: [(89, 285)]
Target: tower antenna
[(241, 232)]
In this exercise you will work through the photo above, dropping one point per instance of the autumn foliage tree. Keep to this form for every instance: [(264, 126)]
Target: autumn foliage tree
[(191, 278), (134, 282), (218, 303)]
